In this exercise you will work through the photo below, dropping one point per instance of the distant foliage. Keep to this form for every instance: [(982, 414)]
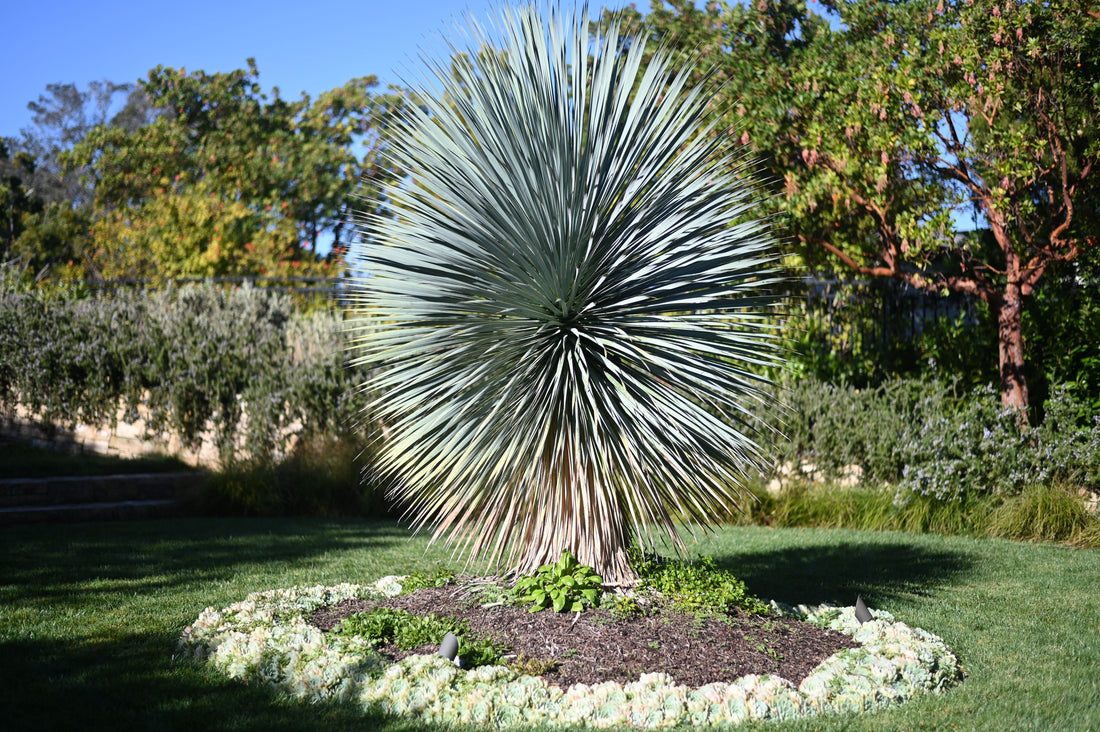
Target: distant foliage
[(226, 179), (932, 438), (866, 334), (191, 355)]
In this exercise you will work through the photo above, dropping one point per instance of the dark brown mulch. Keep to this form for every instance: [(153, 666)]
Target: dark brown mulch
[(595, 646)]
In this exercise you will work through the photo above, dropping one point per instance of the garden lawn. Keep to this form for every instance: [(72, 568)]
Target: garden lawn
[(90, 614)]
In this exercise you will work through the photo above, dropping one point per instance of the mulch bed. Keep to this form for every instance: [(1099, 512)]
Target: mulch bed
[(595, 646)]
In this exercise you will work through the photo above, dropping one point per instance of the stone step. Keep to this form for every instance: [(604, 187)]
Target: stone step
[(99, 511), (80, 490)]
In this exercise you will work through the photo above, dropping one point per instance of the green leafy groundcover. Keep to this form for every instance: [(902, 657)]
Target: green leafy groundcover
[(266, 639)]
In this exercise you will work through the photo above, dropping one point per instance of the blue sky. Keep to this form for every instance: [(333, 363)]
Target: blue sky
[(308, 46)]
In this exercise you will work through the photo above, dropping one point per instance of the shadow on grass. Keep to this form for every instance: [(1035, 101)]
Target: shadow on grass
[(45, 562), (132, 682), (837, 572)]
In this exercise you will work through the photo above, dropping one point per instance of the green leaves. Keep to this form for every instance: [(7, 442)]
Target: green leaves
[(564, 585), (696, 588), (408, 631), (892, 124), (227, 180), (563, 313)]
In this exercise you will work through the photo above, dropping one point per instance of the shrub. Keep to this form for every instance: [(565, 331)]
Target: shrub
[(833, 426), (980, 449), (564, 585), (190, 355), (975, 448), (320, 477), (931, 439), (693, 588)]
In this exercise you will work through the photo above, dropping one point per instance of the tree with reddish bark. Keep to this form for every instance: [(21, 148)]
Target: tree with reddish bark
[(883, 123)]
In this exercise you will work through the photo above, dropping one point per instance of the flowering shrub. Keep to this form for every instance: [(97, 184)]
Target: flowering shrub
[(932, 439), (976, 449), (266, 639), (980, 450)]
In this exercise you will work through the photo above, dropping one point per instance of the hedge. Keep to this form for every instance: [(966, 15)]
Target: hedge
[(191, 355)]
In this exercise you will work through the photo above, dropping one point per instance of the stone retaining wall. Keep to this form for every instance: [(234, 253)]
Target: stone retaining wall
[(124, 439)]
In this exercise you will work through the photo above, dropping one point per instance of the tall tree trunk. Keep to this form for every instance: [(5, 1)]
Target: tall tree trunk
[(1010, 348)]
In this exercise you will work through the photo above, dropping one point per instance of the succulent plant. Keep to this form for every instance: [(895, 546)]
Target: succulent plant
[(895, 663), (562, 317)]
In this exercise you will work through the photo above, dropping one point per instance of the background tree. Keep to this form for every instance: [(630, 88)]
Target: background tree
[(883, 128), (46, 213), (227, 180)]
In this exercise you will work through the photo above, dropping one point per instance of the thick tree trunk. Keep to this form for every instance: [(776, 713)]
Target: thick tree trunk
[(1010, 349)]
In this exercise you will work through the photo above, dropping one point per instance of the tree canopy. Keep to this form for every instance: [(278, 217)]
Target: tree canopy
[(45, 213), (881, 127), (227, 179)]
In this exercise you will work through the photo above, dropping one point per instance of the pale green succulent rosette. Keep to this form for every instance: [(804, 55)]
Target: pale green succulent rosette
[(265, 639), (894, 662)]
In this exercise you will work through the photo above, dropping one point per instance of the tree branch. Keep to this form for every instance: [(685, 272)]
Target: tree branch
[(856, 266)]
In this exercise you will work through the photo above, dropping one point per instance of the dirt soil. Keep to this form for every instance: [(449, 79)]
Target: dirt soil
[(594, 646)]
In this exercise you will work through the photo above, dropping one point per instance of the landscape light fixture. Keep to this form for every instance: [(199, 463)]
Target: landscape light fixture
[(862, 613), (449, 648)]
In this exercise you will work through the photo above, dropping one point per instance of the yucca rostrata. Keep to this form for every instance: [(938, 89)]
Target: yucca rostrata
[(565, 306)]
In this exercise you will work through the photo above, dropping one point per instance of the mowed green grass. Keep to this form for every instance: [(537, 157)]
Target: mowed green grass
[(90, 614)]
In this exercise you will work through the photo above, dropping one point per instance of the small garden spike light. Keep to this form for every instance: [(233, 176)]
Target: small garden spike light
[(449, 647), (862, 613)]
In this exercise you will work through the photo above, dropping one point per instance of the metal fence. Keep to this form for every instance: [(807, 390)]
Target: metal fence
[(332, 289), (889, 311)]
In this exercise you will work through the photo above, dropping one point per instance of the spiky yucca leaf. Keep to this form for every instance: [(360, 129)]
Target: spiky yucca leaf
[(563, 309)]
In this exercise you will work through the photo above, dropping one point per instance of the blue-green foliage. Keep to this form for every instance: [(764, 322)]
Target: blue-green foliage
[(935, 439), (189, 354)]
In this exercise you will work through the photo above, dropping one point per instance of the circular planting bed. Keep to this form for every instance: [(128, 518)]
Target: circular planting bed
[(274, 638)]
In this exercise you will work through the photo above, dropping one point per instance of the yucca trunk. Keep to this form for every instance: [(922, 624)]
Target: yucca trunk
[(598, 535)]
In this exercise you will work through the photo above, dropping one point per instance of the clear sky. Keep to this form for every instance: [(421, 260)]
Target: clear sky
[(306, 45)]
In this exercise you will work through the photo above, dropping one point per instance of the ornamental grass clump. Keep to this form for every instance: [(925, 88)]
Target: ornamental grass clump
[(563, 315)]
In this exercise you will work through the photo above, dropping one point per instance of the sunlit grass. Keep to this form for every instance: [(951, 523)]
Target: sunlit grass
[(1049, 512), (90, 613)]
